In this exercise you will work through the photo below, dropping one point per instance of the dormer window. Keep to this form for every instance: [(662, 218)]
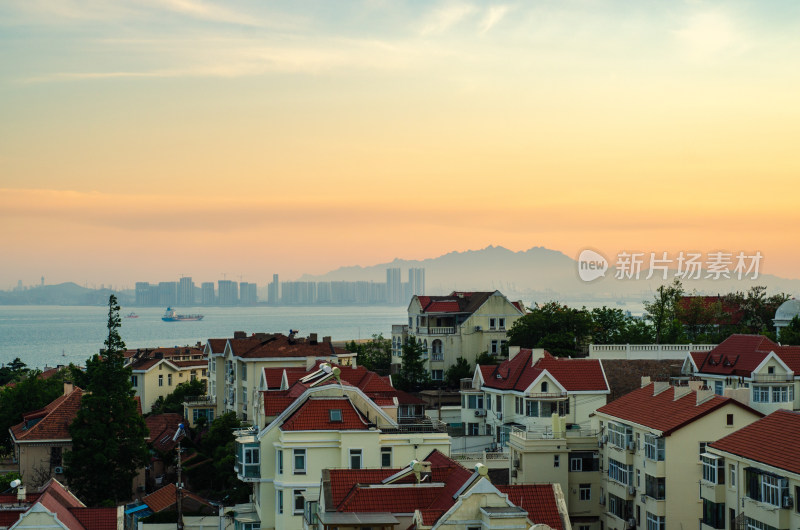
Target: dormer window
[(770, 369), (336, 415), (544, 387)]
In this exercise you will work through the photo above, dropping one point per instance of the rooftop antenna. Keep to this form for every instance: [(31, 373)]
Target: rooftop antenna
[(179, 434)]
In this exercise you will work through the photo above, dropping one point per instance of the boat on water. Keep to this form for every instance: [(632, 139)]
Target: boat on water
[(131, 315), (170, 315)]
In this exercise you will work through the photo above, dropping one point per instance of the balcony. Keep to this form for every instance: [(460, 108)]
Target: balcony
[(422, 427), (248, 461), (712, 492), (430, 330), (437, 357), (773, 378), (199, 401), (548, 434), (466, 384)]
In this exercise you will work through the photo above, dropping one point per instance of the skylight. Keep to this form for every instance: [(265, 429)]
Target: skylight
[(335, 414)]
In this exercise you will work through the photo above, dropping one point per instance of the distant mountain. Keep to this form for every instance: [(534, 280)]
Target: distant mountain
[(539, 274), (68, 293)]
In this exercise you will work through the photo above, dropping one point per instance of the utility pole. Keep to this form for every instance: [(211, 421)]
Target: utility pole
[(179, 434)]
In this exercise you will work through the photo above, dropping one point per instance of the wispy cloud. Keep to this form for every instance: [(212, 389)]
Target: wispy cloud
[(445, 17), (493, 15)]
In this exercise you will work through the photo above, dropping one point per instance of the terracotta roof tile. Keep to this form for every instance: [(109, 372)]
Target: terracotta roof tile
[(575, 375), (767, 441), (455, 302), (165, 497), (538, 500), (662, 412), (51, 422), (739, 355), (96, 518), (314, 415), (162, 428), (266, 345)]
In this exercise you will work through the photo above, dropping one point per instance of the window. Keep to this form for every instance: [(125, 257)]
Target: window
[(575, 464), (135, 380), (765, 487), (279, 501), (386, 457), (620, 472), (656, 522), (169, 379), (160, 380), (355, 458), (770, 490), (437, 375), (713, 514), (544, 387), (653, 447), (531, 408), (620, 508), (702, 449), (299, 502), (654, 487), (518, 405), (585, 492), (208, 414), (56, 457), (335, 415), (243, 371), (760, 394), (620, 435), (472, 429), (494, 347), (584, 461), (475, 401), (492, 324), (729, 420), (718, 388), (501, 323), (556, 460), (299, 461), (713, 469), (732, 473), (498, 403), (279, 461), (770, 369), (752, 524)]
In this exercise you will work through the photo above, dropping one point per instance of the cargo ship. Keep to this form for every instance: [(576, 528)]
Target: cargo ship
[(170, 315)]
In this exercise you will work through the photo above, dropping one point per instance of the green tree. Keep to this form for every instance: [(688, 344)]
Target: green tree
[(26, 395), (460, 370), (375, 354), (561, 330), (7, 478), (173, 402), (216, 476), (790, 335), (108, 433), (757, 308), (662, 311), (486, 359), (14, 371), (412, 375)]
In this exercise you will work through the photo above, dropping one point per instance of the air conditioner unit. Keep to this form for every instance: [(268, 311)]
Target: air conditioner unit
[(603, 500), (631, 446), (479, 413), (631, 490), (631, 523), (58, 470), (787, 502), (643, 498), (499, 415), (478, 328)]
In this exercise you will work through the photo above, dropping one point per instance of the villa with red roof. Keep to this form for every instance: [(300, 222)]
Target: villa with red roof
[(157, 371), (330, 417), (527, 389), (652, 440), (461, 324), (751, 368), (235, 365), (751, 478), (437, 492)]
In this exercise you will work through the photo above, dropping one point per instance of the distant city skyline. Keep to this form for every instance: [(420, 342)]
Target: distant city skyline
[(146, 140)]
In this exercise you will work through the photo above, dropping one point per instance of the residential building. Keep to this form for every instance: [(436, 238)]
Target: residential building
[(394, 288), (155, 372), (751, 477), (434, 493), (461, 324), (248, 294), (207, 293), (234, 365), (321, 421), (751, 368), (652, 440), (186, 292), (167, 294), (228, 292), (164, 500), (527, 389)]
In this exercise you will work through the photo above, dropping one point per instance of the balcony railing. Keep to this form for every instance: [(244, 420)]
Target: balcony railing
[(466, 384), (437, 357), (441, 330), (432, 426), (548, 434), (199, 400), (773, 378)]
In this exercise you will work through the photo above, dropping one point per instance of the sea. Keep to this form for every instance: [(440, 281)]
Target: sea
[(52, 335)]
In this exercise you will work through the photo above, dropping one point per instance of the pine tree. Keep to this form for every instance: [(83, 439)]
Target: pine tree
[(412, 375), (108, 433)]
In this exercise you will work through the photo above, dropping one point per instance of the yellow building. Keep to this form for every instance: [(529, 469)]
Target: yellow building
[(652, 440), (527, 389), (461, 324), (156, 372), (329, 424), (751, 478), (235, 365), (750, 368)]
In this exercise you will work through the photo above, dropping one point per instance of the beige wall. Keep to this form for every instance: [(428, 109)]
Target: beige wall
[(148, 388), (34, 462)]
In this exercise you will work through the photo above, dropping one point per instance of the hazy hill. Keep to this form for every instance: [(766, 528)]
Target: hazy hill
[(68, 293)]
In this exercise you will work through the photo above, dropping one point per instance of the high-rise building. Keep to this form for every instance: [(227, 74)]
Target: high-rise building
[(208, 297), (186, 291), (273, 291), (228, 292), (394, 289), (416, 281), (248, 294), (167, 293)]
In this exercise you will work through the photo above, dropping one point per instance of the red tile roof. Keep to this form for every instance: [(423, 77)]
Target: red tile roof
[(166, 497), (276, 345), (314, 415), (217, 345), (455, 302), (97, 518), (162, 428), (739, 355), (51, 422), (538, 500), (276, 401), (662, 412), (575, 375), (769, 441)]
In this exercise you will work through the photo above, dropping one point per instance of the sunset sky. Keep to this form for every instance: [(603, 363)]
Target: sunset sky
[(142, 140)]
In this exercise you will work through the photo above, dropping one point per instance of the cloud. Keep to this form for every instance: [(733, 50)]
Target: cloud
[(443, 18), (707, 34), (493, 15)]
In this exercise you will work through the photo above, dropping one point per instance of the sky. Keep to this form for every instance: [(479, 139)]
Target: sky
[(144, 140)]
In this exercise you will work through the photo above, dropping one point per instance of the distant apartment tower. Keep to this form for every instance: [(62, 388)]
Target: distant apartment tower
[(248, 294), (146, 294), (298, 293), (207, 293), (228, 292), (394, 287), (167, 293), (416, 281), (274, 291), (186, 291)]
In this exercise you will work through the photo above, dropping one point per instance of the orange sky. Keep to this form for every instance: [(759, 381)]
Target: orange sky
[(145, 140)]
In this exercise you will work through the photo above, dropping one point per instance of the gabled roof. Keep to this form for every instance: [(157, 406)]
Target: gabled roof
[(538, 500), (315, 415), (51, 422), (71, 512), (455, 302), (162, 428), (662, 412), (166, 497), (770, 440), (574, 375), (216, 345), (739, 355), (277, 345)]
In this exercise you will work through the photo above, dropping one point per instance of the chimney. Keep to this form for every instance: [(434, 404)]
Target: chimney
[(68, 387), (326, 339), (513, 351), (660, 386), (239, 334), (645, 381), (704, 394), (312, 338), (536, 354), (681, 391)]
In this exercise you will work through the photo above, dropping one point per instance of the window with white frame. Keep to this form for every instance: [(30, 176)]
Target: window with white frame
[(713, 468), (494, 347), (475, 401), (620, 435), (279, 501), (355, 458), (585, 492), (243, 371), (531, 408), (299, 502), (519, 406), (760, 394), (620, 472), (501, 322), (386, 457), (279, 461), (770, 490), (299, 461), (160, 380), (732, 473), (653, 447), (437, 375), (135, 380), (752, 524), (782, 394), (656, 522), (765, 487), (492, 323), (556, 460), (498, 403), (169, 379)]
